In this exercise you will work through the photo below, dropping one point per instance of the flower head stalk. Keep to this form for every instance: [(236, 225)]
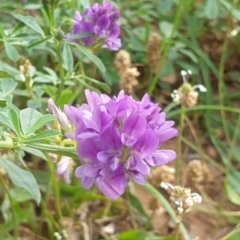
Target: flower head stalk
[(100, 23), (118, 139)]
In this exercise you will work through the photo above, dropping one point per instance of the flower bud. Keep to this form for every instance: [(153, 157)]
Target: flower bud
[(66, 25), (61, 116), (57, 33)]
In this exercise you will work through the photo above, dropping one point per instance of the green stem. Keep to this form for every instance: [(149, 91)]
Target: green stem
[(12, 207), (177, 231), (61, 70), (221, 86), (179, 145), (56, 191), (166, 49), (233, 144)]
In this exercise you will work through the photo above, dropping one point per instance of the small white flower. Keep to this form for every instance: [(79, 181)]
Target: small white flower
[(166, 185), (196, 198), (57, 236), (180, 210), (234, 33)]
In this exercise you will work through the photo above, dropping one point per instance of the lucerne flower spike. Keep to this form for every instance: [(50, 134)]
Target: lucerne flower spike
[(118, 139)]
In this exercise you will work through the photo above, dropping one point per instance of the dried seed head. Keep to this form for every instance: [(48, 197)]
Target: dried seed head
[(153, 53), (128, 80), (122, 61), (197, 173), (128, 75), (153, 204), (162, 174), (181, 199)]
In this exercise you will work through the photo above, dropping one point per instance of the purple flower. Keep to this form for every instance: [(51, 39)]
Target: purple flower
[(100, 22), (118, 139)]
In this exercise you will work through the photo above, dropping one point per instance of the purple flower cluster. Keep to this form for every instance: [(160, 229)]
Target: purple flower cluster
[(118, 139), (100, 22)]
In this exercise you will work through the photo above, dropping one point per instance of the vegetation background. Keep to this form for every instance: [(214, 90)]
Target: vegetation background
[(200, 36)]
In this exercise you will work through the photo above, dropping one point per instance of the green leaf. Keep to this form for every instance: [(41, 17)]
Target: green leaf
[(14, 119), (17, 28), (30, 22), (65, 151), (232, 195), (34, 152), (233, 235), (34, 103), (166, 28), (20, 194), (67, 57), (101, 85), (8, 69), (91, 57), (235, 12), (136, 204), (211, 9), (5, 121), (64, 97), (32, 6), (141, 235), (42, 121), (3, 103), (164, 6), (80, 35), (42, 136), (11, 51), (37, 43), (28, 117), (22, 178), (8, 86), (2, 34)]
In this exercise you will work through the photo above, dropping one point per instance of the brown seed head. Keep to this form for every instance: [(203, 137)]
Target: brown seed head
[(153, 52), (162, 174), (197, 173), (122, 61)]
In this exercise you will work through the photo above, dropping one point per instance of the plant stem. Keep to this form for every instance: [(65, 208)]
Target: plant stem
[(61, 70), (12, 207), (233, 144), (56, 191), (179, 145), (221, 86), (177, 231)]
